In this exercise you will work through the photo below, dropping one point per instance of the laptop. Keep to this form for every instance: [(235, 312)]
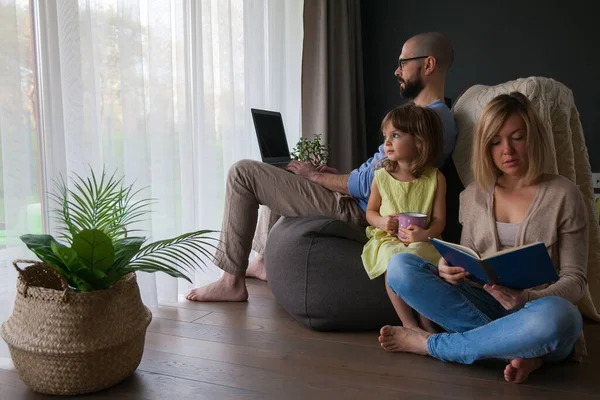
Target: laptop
[(272, 142)]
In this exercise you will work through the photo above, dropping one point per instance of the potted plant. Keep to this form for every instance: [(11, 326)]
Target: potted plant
[(311, 151), (79, 324)]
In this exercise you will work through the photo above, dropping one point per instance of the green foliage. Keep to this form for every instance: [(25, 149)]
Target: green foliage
[(95, 216), (312, 151), (103, 204)]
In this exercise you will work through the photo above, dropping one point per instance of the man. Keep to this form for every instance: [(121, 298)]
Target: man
[(422, 69)]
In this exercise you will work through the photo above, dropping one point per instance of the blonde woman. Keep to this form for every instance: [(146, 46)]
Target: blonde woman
[(511, 203)]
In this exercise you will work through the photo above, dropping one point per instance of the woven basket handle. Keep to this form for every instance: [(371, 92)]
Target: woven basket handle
[(16, 264), (63, 282)]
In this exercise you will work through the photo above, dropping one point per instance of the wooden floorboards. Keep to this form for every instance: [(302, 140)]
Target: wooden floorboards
[(255, 350)]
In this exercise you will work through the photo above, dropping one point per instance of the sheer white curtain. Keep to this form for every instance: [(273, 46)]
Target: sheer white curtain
[(20, 186), (159, 90)]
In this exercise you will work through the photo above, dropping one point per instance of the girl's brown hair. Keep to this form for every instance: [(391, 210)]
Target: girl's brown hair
[(425, 126), (491, 120)]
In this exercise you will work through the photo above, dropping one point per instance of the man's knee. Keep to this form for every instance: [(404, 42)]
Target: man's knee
[(403, 271), (242, 168), (244, 172)]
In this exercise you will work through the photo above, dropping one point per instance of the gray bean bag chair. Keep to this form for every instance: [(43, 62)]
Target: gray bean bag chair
[(315, 272)]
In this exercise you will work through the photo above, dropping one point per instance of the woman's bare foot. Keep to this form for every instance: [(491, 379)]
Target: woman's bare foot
[(427, 325), (416, 328), (256, 268), (228, 288), (413, 326), (399, 338), (519, 369)]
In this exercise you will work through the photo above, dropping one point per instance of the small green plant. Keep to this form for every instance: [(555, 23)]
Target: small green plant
[(312, 151), (98, 248)]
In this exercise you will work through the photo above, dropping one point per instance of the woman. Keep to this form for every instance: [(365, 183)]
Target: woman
[(511, 203)]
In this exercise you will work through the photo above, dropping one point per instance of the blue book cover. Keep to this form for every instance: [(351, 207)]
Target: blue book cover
[(517, 268)]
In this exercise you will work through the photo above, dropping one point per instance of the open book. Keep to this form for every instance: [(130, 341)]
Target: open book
[(517, 268)]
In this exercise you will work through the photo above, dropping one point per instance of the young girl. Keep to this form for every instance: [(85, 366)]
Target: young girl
[(406, 181)]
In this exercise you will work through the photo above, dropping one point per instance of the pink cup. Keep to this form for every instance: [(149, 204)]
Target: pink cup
[(407, 219)]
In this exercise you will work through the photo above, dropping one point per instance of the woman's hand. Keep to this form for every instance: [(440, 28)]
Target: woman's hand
[(390, 225), (413, 234), (510, 299), (452, 275)]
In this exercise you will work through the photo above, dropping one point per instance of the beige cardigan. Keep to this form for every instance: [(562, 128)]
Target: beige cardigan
[(555, 105), (557, 216)]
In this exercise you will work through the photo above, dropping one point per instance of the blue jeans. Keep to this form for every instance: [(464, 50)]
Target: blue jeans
[(478, 326)]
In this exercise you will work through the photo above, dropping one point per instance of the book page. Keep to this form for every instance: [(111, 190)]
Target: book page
[(510, 250), (460, 248)]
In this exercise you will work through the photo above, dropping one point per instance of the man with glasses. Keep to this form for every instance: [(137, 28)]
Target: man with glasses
[(422, 69)]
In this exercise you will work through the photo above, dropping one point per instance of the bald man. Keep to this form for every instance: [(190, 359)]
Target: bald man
[(422, 69)]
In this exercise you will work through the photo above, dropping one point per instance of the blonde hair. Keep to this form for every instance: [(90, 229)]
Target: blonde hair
[(425, 126), (491, 120)]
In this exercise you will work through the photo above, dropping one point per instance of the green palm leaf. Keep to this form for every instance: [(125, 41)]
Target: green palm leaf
[(102, 203), (125, 250), (171, 255)]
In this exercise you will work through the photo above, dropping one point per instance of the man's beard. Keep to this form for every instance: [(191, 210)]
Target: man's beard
[(412, 88)]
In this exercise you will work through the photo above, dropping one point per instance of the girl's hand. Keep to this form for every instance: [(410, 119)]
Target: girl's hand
[(510, 299), (452, 275), (413, 234), (390, 225)]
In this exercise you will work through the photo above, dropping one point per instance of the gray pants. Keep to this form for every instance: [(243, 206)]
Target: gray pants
[(253, 183)]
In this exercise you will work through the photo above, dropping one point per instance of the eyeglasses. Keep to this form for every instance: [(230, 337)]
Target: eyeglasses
[(401, 61)]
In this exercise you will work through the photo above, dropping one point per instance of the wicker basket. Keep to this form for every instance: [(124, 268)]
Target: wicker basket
[(67, 342)]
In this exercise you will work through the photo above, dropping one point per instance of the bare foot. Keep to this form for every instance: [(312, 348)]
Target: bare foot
[(256, 268), (413, 326), (427, 325), (417, 328), (398, 338), (228, 288), (519, 369)]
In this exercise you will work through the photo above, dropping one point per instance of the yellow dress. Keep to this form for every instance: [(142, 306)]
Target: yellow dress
[(399, 197)]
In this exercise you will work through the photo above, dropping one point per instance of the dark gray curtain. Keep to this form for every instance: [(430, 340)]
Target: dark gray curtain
[(332, 80)]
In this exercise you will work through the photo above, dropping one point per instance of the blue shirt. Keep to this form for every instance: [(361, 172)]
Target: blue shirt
[(361, 178)]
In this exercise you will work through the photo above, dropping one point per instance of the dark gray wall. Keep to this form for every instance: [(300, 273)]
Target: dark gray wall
[(494, 42)]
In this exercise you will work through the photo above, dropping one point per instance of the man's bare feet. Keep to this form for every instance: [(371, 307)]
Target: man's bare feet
[(256, 268), (228, 288), (519, 369), (398, 338)]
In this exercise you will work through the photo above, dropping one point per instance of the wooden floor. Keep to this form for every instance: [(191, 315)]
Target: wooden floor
[(255, 350)]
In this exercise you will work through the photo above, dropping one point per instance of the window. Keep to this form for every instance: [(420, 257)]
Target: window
[(158, 90)]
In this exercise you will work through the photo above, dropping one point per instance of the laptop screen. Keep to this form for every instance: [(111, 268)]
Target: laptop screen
[(271, 135)]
